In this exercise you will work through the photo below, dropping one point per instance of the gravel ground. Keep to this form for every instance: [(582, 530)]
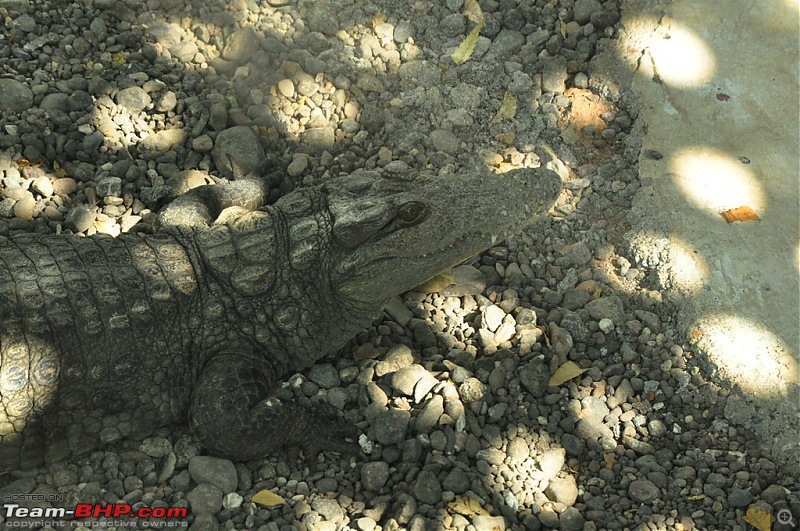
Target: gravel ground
[(110, 110)]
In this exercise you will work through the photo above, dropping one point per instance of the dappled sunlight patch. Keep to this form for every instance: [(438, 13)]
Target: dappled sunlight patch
[(715, 181), (747, 353), (679, 57), (689, 269)]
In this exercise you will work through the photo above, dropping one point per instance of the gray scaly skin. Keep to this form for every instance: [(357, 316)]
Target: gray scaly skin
[(102, 339)]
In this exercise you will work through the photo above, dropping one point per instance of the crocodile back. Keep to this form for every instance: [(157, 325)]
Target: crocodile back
[(91, 342)]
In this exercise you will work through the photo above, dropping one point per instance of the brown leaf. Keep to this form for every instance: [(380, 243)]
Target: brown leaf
[(565, 373), (437, 283), (466, 506), (380, 18), (508, 108), (759, 518), (467, 46), (742, 213), (366, 352), (267, 499)]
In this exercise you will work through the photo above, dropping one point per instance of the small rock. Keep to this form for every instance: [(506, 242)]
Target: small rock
[(583, 10), (562, 490), (606, 308), (79, 219), (643, 491), (43, 186), (551, 461), (162, 141), (517, 450), (554, 75), (133, 99), (445, 141), (427, 488), (241, 45), (740, 498), (374, 475), (534, 377), (237, 151), (205, 499), (15, 96), (492, 317), (24, 208), (571, 520), (109, 186), (413, 381), (324, 375), (286, 88), (471, 390), (390, 426), (298, 165), (221, 473), (430, 414), (483, 522)]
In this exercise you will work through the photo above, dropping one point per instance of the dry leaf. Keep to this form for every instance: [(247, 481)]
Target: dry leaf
[(742, 213), (267, 499), (437, 283), (609, 460), (467, 46), (366, 352), (565, 373), (563, 27), (758, 518), (472, 10), (118, 58), (508, 108), (380, 18), (467, 507), (60, 173), (696, 497)]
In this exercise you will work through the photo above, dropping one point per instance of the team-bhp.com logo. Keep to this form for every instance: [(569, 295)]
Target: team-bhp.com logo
[(158, 516)]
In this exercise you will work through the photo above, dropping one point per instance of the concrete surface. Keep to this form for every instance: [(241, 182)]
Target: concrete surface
[(718, 84)]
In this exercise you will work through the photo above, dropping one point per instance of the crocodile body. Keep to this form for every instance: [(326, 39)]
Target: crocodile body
[(106, 338)]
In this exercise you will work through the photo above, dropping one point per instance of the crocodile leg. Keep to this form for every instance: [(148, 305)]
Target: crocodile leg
[(232, 414)]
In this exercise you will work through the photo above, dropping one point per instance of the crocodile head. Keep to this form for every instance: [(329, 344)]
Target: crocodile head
[(387, 238)]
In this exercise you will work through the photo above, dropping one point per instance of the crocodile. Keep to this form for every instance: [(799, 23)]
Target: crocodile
[(103, 339)]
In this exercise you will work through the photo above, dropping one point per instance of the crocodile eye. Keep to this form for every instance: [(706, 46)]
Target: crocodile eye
[(411, 213)]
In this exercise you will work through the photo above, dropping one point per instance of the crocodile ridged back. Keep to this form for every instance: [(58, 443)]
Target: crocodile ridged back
[(80, 322)]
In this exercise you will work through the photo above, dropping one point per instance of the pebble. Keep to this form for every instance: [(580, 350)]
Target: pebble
[(205, 499), (426, 488), (390, 426), (534, 377), (643, 491), (15, 96), (220, 473), (237, 151), (562, 490), (133, 99)]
